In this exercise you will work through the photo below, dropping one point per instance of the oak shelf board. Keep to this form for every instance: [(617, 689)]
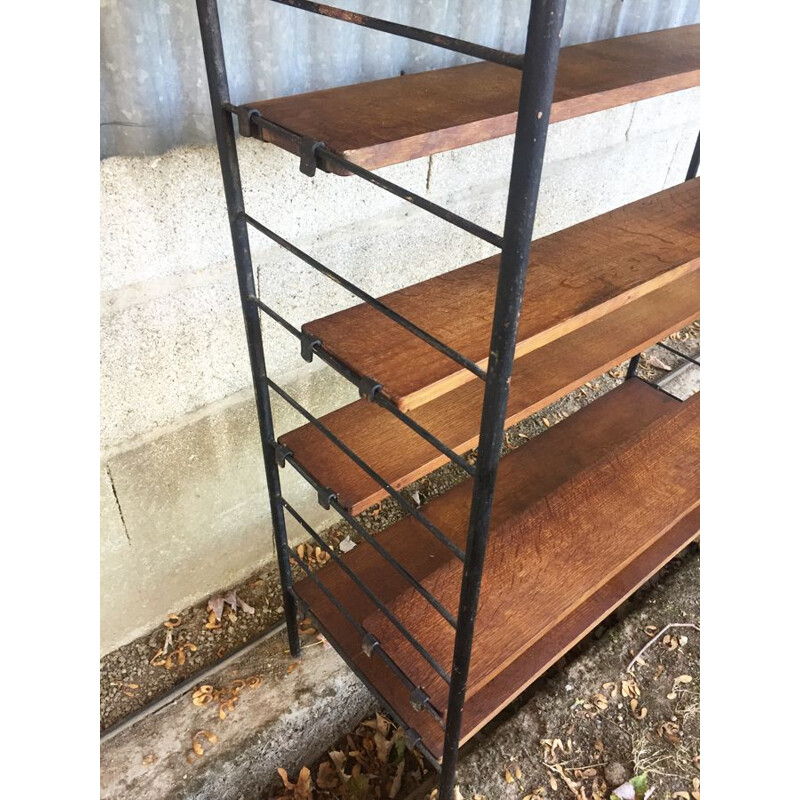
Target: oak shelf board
[(389, 121), (545, 557), (537, 659), (576, 276), (540, 377), (559, 454)]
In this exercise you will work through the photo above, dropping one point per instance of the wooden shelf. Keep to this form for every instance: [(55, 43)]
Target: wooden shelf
[(397, 119), (401, 456), (540, 656), (545, 557), (577, 276), (623, 470)]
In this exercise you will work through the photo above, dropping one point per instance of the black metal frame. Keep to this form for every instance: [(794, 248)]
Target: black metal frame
[(538, 65)]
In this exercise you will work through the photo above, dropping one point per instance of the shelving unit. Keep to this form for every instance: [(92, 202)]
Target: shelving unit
[(448, 614)]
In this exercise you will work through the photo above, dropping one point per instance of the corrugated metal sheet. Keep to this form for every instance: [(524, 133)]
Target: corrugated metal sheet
[(153, 85)]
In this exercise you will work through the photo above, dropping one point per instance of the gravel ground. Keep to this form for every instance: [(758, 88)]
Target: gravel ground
[(133, 675)]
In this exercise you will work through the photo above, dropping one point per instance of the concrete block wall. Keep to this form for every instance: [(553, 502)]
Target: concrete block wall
[(184, 509)]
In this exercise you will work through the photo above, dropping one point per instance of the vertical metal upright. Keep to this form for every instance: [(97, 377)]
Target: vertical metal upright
[(536, 97), (211, 34)]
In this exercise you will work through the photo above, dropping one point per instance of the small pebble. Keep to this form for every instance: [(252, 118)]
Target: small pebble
[(616, 774)]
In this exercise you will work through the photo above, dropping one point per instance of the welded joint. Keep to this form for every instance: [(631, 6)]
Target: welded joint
[(246, 125), (325, 497), (368, 388), (412, 738), (303, 607), (419, 699), (307, 345), (308, 155), (369, 644), (281, 453)]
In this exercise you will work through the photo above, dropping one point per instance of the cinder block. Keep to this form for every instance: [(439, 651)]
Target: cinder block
[(113, 536), (165, 216), (167, 357), (683, 154), (488, 162), (664, 112), (196, 509)]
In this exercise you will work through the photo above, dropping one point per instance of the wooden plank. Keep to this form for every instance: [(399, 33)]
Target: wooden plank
[(552, 555), (397, 119), (401, 456), (577, 275), (538, 658), (553, 458), (570, 446), (497, 694)]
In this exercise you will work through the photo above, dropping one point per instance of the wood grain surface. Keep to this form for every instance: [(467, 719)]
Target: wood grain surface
[(576, 276), (540, 656), (560, 452), (540, 377), (397, 119), (545, 558)]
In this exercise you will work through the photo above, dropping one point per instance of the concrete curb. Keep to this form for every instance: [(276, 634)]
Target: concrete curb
[(288, 721)]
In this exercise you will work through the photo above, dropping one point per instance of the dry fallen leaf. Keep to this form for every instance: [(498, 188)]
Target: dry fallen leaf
[(304, 787), (285, 778), (670, 642), (246, 607), (656, 362), (327, 776), (213, 622)]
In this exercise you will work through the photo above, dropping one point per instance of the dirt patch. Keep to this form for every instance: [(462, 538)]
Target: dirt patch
[(134, 675)]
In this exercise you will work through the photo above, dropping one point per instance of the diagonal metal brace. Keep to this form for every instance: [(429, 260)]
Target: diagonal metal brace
[(308, 155)]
